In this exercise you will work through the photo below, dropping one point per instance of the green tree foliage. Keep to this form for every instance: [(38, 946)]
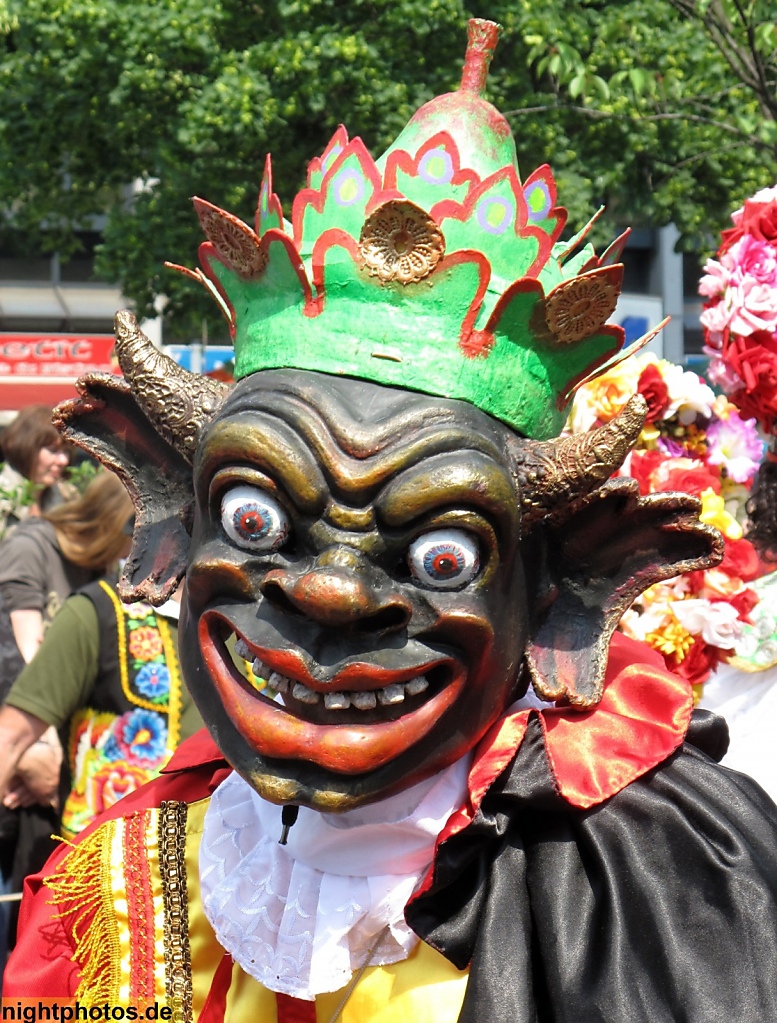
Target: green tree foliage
[(186, 97), (668, 108), (663, 109)]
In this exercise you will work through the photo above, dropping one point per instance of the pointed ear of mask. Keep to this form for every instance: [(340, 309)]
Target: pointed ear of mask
[(608, 549), (107, 422)]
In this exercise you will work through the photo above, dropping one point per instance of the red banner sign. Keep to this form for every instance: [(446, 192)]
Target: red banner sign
[(43, 368)]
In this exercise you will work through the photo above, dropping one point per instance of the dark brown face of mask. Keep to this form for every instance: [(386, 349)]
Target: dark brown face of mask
[(363, 544)]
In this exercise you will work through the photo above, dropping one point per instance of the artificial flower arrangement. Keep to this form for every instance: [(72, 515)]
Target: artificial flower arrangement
[(740, 315), (696, 442)]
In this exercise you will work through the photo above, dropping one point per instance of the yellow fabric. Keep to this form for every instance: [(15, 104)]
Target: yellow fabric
[(121, 911), (425, 988)]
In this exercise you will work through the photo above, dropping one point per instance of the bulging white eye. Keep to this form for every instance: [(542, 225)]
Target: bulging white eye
[(253, 519), (444, 559)]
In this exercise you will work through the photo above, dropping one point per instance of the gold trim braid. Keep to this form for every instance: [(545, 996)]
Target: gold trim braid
[(172, 867)]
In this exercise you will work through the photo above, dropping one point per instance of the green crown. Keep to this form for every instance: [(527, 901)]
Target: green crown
[(433, 268)]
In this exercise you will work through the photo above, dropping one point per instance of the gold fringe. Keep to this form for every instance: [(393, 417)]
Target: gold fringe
[(83, 884)]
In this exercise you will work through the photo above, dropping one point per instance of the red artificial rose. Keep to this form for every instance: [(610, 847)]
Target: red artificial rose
[(642, 466), (695, 581), (754, 360), (691, 481), (655, 392), (730, 237), (759, 219), (744, 602), (698, 664), (741, 560)]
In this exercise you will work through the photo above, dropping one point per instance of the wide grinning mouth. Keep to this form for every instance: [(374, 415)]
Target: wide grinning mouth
[(354, 696), (346, 740)]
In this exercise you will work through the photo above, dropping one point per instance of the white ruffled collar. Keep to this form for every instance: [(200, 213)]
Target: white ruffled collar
[(302, 918)]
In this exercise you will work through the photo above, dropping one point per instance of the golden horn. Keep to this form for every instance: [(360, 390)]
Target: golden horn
[(177, 402), (552, 474)]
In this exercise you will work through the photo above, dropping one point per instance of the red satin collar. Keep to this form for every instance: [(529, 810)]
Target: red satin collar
[(641, 719), (196, 751)]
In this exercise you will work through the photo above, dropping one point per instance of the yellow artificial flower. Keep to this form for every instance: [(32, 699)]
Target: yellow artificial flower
[(610, 392), (671, 639), (649, 436), (696, 440), (720, 585), (713, 513), (736, 496), (722, 407)]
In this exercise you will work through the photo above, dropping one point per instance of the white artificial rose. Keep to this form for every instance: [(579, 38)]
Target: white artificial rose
[(716, 622)]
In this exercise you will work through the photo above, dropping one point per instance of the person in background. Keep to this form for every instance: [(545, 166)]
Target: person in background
[(35, 459), (47, 558), (42, 562)]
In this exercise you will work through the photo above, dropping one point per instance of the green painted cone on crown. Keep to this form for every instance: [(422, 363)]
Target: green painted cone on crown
[(434, 268)]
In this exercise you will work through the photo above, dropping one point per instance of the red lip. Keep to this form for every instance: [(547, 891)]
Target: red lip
[(274, 731)]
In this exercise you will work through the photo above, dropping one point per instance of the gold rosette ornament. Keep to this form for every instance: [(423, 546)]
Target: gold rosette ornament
[(400, 242), (235, 242), (577, 308)]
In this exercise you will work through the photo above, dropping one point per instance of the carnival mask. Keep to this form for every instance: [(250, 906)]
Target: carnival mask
[(363, 544), (388, 560)]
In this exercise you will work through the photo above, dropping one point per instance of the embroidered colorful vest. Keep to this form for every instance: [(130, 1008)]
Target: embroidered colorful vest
[(128, 733)]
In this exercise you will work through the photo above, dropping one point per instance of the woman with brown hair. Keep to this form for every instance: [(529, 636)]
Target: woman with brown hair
[(46, 559), (42, 562), (35, 458)]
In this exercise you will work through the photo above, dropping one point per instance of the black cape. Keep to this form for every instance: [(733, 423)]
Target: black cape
[(658, 906)]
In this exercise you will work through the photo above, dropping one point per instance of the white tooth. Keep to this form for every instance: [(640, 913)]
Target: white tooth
[(391, 694), (278, 682), (241, 649), (260, 669), (364, 701), (416, 686), (303, 694), (337, 701)]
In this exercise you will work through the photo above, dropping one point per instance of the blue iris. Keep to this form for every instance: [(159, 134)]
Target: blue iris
[(443, 561), (251, 521)]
